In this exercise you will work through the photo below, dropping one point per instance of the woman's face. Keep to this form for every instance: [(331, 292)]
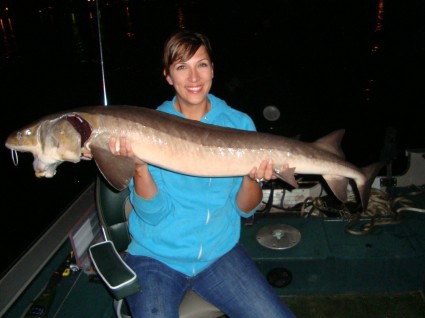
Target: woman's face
[(192, 79)]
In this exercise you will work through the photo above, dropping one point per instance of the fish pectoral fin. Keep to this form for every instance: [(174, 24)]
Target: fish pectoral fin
[(117, 170), (286, 175), (338, 186)]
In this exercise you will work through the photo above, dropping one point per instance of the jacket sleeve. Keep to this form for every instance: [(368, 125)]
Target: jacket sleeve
[(153, 210)]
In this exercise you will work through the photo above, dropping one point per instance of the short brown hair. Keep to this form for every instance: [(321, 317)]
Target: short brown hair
[(182, 45)]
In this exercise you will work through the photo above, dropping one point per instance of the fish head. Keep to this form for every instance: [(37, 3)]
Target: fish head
[(51, 141)]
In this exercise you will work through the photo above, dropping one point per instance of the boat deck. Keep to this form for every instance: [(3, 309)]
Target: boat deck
[(381, 305), (329, 273), (83, 296)]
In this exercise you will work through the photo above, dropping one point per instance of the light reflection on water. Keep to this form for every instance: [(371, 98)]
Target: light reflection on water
[(324, 65)]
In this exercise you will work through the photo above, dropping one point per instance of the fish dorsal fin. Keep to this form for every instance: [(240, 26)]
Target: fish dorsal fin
[(117, 170), (332, 142)]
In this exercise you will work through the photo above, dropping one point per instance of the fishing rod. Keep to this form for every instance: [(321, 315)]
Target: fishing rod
[(99, 35)]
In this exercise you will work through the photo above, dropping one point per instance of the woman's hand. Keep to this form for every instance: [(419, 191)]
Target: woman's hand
[(264, 172), (123, 148), (118, 148), (144, 184), (250, 192)]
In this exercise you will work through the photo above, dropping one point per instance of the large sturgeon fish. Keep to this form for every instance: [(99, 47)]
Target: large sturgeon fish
[(182, 145)]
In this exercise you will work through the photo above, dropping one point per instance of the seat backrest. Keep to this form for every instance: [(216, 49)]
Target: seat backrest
[(113, 209)]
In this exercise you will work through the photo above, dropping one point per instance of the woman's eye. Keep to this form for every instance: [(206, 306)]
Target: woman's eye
[(180, 67)]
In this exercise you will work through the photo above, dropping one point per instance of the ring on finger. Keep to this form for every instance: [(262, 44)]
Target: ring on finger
[(259, 180)]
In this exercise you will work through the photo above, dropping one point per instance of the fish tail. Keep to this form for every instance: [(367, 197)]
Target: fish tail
[(370, 172)]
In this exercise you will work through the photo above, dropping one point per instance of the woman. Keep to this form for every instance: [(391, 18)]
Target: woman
[(185, 229)]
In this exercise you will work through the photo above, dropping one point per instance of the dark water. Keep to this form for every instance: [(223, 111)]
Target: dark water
[(356, 65)]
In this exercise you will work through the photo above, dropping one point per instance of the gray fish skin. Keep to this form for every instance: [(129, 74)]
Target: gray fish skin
[(182, 145)]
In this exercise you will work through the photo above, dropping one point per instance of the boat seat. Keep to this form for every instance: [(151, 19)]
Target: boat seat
[(113, 209)]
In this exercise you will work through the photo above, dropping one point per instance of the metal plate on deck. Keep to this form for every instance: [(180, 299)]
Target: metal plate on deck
[(278, 236)]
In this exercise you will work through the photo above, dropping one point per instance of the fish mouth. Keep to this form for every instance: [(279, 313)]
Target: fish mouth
[(43, 169), (45, 173)]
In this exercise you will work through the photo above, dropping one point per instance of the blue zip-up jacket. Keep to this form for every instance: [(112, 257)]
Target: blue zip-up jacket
[(191, 221)]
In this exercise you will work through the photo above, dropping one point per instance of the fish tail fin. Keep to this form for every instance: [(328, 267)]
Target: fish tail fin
[(370, 172), (332, 144)]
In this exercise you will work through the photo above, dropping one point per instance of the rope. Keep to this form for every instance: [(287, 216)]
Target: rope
[(382, 210)]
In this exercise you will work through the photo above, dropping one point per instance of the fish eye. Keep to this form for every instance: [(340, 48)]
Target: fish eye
[(28, 132)]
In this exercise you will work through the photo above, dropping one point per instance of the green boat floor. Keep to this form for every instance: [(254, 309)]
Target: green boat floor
[(397, 305)]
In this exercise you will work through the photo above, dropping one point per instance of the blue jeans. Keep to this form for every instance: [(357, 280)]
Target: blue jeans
[(233, 284)]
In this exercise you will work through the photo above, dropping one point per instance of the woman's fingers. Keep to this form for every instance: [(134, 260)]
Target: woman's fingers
[(121, 147), (265, 172)]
